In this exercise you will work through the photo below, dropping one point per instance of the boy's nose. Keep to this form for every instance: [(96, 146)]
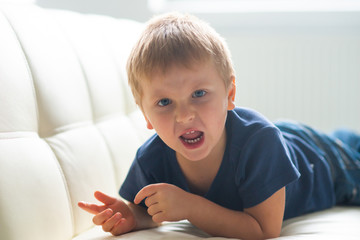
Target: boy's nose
[(184, 114)]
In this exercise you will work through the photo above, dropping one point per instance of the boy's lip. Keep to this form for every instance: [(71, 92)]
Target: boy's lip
[(192, 138), (189, 133)]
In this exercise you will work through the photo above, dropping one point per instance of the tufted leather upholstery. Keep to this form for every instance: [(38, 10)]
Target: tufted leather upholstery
[(68, 125)]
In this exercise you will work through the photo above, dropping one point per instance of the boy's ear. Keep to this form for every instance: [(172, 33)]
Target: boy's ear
[(148, 124), (231, 94)]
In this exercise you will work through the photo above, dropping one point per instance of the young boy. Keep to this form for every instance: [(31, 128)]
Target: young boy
[(227, 170)]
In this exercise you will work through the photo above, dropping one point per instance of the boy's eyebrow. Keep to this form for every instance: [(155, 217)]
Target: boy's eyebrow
[(161, 92), (157, 93)]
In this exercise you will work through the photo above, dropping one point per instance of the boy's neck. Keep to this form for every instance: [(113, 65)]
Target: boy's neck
[(200, 174)]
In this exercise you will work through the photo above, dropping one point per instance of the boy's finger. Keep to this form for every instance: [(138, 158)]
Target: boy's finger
[(102, 217), (121, 227), (111, 222), (106, 199), (146, 191), (91, 208)]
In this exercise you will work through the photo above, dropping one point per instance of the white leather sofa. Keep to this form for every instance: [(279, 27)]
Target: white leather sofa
[(68, 127)]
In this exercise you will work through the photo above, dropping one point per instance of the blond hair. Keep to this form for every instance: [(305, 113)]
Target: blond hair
[(175, 38)]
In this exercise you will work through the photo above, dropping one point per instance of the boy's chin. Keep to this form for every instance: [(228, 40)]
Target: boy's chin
[(194, 157)]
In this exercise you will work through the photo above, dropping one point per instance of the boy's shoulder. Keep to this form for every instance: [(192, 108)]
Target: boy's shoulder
[(246, 126), (151, 147), (248, 120), (153, 153)]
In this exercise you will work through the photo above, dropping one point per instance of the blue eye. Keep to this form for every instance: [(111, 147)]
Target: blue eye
[(198, 93), (164, 102)]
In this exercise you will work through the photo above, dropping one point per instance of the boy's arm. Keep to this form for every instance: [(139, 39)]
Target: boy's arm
[(169, 203), (259, 222), (142, 218)]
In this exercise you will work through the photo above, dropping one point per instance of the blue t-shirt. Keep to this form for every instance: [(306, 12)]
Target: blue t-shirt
[(258, 161)]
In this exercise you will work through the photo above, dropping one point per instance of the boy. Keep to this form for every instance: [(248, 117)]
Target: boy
[(225, 169)]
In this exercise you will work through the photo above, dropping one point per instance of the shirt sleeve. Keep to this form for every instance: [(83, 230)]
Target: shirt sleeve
[(265, 167), (135, 180)]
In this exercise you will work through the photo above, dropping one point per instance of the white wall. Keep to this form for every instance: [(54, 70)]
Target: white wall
[(299, 65), (310, 76), (134, 9)]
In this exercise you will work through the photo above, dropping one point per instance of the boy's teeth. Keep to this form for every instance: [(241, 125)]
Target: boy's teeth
[(192, 140), (192, 136), (195, 140)]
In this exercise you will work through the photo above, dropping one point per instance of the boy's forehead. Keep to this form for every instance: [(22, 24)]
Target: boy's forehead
[(160, 72), (195, 74)]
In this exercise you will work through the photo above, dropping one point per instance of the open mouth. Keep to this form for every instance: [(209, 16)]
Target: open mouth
[(192, 138)]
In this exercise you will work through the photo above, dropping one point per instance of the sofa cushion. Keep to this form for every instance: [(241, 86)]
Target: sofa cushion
[(68, 124)]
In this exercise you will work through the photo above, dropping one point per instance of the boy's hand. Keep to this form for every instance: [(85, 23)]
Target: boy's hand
[(114, 216), (165, 202)]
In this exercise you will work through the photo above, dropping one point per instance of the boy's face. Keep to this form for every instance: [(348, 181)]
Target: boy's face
[(188, 109)]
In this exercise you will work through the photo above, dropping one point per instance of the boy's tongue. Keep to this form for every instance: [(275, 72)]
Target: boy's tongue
[(191, 135)]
